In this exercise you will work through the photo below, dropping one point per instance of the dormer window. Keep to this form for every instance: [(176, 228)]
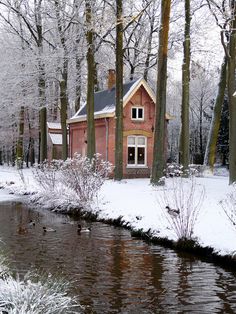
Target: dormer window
[(137, 113)]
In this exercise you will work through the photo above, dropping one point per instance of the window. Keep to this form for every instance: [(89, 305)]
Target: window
[(137, 151), (137, 113)]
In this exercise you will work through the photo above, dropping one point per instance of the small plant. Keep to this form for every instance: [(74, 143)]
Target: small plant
[(181, 204), (34, 293), (30, 296), (73, 182), (85, 177), (46, 174), (22, 176), (175, 170), (229, 206)]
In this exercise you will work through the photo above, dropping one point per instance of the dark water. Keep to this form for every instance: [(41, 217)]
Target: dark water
[(112, 272)]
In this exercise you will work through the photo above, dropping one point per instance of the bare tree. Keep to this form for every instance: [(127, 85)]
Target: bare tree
[(119, 92), (90, 81), (160, 134), (184, 136)]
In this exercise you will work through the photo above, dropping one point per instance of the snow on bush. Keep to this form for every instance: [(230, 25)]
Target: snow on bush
[(85, 177), (70, 184), (62, 197), (4, 269), (29, 296), (229, 206), (181, 203), (34, 294), (47, 174)]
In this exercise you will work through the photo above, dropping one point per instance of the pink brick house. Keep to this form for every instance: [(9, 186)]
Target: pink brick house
[(138, 127)]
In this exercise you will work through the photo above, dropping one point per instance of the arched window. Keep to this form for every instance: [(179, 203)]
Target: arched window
[(137, 147)]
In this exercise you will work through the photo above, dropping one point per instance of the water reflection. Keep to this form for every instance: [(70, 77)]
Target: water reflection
[(112, 272)]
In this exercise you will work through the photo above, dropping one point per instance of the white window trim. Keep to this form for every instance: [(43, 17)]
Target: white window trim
[(137, 119), (136, 165)]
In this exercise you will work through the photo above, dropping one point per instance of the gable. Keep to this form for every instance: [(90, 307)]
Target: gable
[(104, 101)]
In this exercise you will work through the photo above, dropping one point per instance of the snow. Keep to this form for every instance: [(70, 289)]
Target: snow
[(29, 297), (56, 138), (54, 125), (142, 205)]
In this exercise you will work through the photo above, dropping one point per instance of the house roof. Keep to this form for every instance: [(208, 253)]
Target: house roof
[(104, 101), (54, 125), (55, 138)]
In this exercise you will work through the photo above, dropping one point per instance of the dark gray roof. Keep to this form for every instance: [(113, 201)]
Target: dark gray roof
[(105, 100)]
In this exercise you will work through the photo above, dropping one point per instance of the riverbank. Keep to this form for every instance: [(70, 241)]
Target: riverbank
[(141, 207)]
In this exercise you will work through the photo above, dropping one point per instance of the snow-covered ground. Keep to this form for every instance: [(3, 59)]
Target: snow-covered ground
[(143, 206)]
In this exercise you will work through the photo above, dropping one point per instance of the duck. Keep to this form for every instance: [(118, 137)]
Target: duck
[(22, 230), (45, 229), (31, 223), (80, 229), (172, 212), (68, 223)]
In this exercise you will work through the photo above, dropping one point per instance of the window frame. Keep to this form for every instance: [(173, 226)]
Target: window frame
[(136, 146), (136, 109)]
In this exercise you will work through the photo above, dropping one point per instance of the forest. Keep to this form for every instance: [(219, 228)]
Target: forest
[(56, 53)]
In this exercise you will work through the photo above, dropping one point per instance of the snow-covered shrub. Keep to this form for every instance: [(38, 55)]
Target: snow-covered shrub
[(175, 170), (61, 198), (4, 269), (46, 174), (32, 296), (85, 177), (229, 206), (70, 184), (181, 203)]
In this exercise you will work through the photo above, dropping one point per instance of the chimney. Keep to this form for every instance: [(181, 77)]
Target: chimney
[(111, 80)]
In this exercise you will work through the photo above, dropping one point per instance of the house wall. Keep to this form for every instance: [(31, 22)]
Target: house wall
[(144, 127), (78, 138), (105, 133), (54, 151)]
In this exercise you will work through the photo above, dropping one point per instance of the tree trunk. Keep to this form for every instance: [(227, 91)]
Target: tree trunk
[(32, 152), (78, 84), (210, 152), (43, 133), (63, 81), (19, 145), (232, 101), (63, 113), (160, 134), (41, 83), (184, 136), (42, 114), (96, 81), (200, 130), (149, 49), (119, 92), (90, 83)]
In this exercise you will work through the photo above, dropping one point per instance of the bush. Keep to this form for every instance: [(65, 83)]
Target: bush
[(229, 206), (47, 173), (34, 294), (35, 297), (76, 180), (85, 177), (181, 204), (175, 170)]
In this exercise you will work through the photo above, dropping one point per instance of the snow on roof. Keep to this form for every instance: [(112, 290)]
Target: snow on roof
[(104, 101), (54, 125), (55, 138)]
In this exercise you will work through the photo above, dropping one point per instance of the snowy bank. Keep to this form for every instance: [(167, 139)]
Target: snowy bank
[(140, 203), (143, 207)]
